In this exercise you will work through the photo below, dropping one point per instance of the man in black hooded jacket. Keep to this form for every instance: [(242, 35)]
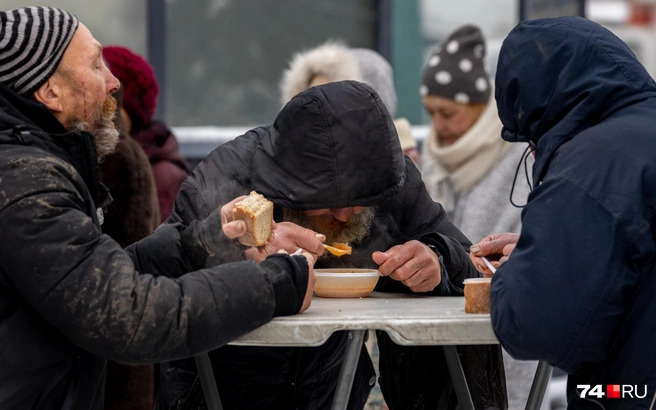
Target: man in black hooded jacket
[(332, 162), (577, 289), (70, 297)]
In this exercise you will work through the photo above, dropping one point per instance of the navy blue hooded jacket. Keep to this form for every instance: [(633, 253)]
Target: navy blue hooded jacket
[(579, 290)]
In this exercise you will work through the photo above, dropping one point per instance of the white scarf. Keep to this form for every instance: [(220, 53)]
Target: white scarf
[(450, 171)]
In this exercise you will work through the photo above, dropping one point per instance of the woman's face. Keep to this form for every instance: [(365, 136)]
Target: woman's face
[(450, 119)]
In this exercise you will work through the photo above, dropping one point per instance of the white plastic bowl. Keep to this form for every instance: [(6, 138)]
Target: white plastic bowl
[(345, 283)]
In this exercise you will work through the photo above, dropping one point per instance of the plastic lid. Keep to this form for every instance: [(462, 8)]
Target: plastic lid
[(476, 280)]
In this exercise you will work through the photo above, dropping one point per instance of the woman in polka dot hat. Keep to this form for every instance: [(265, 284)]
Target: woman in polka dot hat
[(465, 164)]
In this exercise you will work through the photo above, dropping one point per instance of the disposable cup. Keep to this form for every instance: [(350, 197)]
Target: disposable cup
[(477, 295)]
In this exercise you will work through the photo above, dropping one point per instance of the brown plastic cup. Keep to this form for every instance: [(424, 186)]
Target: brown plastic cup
[(477, 295)]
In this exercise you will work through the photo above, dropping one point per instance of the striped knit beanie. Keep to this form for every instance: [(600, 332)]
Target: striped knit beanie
[(32, 43)]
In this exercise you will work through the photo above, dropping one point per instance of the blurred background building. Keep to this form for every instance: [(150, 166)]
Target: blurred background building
[(219, 62)]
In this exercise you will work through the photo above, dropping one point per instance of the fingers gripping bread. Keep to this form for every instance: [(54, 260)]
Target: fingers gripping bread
[(257, 212)]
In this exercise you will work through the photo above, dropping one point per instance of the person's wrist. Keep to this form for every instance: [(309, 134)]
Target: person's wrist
[(289, 276), (443, 287)]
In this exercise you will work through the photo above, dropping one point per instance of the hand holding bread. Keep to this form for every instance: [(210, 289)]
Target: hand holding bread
[(232, 228), (249, 220), (257, 212), (211, 241)]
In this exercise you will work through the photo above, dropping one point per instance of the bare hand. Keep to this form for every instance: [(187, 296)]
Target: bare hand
[(232, 229), (413, 264), (507, 250), (290, 237), (496, 248)]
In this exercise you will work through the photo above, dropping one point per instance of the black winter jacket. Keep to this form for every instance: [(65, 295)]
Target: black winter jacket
[(70, 297), (579, 289), (332, 146), (330, 149)]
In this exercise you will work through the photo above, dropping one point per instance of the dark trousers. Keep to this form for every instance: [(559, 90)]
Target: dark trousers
[(268, 378), (417, 377)]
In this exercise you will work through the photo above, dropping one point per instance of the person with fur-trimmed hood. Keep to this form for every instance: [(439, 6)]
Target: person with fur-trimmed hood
[(334, 61)]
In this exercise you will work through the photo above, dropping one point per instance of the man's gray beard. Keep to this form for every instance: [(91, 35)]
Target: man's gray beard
[(354, 231), (104, 132)]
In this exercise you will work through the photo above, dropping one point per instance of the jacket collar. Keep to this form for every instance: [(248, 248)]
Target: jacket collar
[(25, 122)]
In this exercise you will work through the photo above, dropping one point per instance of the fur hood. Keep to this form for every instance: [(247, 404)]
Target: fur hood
[(338, 62), (332, 59)]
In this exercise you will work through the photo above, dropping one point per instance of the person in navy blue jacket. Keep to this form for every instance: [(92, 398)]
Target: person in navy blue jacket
[(579, 289)]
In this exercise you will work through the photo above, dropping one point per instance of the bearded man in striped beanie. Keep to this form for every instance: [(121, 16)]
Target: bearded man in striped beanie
[(48, 56), (71, 297)]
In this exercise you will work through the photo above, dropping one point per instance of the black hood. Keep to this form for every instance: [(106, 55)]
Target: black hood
[(556, 77), (331, 146)]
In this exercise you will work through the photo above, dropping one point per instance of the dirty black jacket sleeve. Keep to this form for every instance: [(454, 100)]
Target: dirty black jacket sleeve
[(83, 284)]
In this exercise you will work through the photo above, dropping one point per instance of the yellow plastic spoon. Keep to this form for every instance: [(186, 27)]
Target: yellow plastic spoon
[(338, 249)]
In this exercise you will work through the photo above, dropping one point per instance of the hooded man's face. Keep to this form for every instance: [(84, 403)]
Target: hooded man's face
[(345, 225), (84, 84)]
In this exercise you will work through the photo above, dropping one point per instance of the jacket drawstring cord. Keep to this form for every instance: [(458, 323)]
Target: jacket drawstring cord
[(523, 159)]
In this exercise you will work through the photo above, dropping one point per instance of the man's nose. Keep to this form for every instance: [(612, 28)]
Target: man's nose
[(111, 82), (342, 214)]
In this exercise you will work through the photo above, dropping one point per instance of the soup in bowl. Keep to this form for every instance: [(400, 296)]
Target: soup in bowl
[(345, 283)]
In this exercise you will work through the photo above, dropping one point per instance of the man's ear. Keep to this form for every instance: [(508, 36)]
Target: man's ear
[(50, 94)]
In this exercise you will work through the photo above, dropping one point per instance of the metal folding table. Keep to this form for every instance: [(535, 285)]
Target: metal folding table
[(409, 320)]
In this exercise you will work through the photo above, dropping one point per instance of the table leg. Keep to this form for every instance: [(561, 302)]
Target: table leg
[(347, 371), (207, 382), (458, 377), (539, 386)]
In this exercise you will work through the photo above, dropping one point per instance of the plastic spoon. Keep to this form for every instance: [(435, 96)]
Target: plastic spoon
[(338, 249)]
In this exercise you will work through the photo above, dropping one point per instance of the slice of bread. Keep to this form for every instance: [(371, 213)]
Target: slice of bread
[(257, 212)]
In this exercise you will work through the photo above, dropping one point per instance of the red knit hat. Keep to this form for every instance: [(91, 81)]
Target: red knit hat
[(139, 83)]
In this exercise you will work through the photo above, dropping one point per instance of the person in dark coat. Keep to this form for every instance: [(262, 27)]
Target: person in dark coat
[(126, 172), (71, 297), (578, 289), (332, 162), (156, 139), (132, 215)]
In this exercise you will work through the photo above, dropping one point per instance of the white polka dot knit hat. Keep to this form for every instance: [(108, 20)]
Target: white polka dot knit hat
[(32, 43), (457, 70)]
